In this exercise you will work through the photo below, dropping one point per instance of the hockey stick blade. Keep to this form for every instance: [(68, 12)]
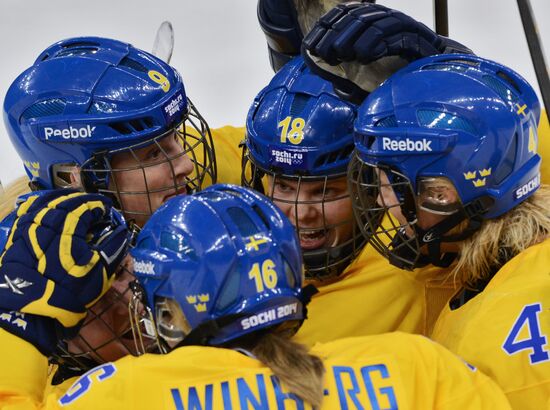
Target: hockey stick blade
[(164, 42)]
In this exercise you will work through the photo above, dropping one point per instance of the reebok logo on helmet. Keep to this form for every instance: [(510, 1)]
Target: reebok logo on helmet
[(406, 145), (143, 267), (68, 133)]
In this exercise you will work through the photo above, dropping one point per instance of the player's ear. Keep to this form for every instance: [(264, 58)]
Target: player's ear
[(76, 181)]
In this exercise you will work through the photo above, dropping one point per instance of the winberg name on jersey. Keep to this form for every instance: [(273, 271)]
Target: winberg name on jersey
[(262, 391)]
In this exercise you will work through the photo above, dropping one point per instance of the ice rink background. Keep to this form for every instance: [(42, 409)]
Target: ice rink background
[(220, 50)]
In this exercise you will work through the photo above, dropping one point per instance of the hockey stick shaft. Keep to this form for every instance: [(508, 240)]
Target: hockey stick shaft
[(441, 17), (535, 49)]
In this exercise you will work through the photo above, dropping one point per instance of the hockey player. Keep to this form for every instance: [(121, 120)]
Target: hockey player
[(298, 135), (223, 164), (448, 149), (108, 117), (95, 239), (299, 138), (103, 116), (342, 34), (297, 151), (223, 302)]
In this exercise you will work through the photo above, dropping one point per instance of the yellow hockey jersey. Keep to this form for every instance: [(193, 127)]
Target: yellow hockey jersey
[(225, 143), (373, 297), (228, 154), (385, 371), (505, 329)]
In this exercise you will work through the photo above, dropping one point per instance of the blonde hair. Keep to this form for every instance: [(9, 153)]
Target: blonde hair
[(301, 372), (7, 199), (502, 238)]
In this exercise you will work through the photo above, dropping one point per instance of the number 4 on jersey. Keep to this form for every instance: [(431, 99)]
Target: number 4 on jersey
[(529, 318)]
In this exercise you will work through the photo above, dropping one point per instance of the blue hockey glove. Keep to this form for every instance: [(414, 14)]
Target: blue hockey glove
[(59, 259), (284, 23), (381, 39), (279, 23)]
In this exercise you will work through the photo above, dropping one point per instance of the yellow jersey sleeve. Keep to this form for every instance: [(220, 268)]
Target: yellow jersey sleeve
[(225, 142), (371, 297), (505, 330)]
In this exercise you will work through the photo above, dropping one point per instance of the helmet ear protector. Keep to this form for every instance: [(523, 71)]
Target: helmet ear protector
[(438, 196)]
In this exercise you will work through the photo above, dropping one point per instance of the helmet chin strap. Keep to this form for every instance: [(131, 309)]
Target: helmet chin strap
[(435, 236)]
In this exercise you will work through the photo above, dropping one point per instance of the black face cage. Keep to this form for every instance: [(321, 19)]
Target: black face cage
[(396, 241), (323, 263), (196, 141), (110, 318)]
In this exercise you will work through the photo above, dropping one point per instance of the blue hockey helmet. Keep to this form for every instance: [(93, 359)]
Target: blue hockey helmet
[(298, 132), (87, 99), (226, 260), (298, 126), (451, 135)]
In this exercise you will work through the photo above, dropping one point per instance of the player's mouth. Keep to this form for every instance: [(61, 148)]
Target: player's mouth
[(181, 190), (313, 239)]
